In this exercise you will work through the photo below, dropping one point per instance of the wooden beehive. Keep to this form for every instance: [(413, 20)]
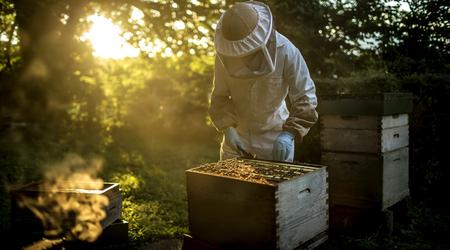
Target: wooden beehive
[(364, 134), (25, 223), (368, 181), (364, 140), (285, 213)]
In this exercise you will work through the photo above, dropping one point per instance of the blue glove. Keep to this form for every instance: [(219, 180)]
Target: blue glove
[(232, 139), (283, 146)]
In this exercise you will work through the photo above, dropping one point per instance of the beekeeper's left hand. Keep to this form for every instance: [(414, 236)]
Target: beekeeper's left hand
[(283, 146)]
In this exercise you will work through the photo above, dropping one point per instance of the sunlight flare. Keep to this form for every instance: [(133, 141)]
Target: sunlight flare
[(106, 39)]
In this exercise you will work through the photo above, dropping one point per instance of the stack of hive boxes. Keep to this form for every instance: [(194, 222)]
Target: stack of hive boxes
[(364, 140)]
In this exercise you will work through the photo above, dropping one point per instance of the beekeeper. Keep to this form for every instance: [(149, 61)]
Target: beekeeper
[(256, 70)]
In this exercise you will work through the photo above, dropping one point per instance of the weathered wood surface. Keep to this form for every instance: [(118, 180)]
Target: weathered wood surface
[(370, 104), (364, 140), (394, 138), (395, 177), (235, 214), (314, 242), (302, 208), (349, 140), (355, 179), (367, 180), (231, 213), (114, 207), (363, 121), (397, 120)]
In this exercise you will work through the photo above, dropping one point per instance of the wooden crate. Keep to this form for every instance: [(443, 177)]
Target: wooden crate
[(235, 214), (25, 223), (368, 180), (364, 122), (365, 104), (364, 134)]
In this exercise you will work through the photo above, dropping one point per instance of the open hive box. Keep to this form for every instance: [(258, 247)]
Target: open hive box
[(54, 204), (256, 204)]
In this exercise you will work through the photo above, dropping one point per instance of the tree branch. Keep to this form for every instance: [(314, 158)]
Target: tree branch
[(8, 46)]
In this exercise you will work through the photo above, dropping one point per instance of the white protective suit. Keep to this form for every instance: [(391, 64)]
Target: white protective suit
[(256, 107)]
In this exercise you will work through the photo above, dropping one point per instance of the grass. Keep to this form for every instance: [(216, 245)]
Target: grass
[(152, 179)]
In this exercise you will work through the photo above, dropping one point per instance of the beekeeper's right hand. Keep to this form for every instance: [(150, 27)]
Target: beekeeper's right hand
[(232, 139)]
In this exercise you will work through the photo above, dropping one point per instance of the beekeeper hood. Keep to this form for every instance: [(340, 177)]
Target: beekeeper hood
[(245, 40)]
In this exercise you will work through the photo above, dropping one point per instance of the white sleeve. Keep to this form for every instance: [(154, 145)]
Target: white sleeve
[(302, 94), (221, 109)]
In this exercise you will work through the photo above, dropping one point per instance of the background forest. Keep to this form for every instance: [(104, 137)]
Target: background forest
[(128, 81)]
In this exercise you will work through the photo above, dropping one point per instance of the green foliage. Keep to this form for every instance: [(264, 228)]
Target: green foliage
[(429, 122), (159, 19), (341, 37), (359, 82), (421, 43), (307, 24), (148, 221), (8, 36), (147, 115)]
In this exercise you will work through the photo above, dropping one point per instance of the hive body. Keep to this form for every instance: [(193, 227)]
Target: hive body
[(285, 213)]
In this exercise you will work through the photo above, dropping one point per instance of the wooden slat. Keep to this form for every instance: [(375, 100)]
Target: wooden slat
[(113, 211), (302, 208), (391, 121), (395, 177), (350, 122), (350, 140), (394, 138), (308, 230), (363, 121), (355, 179), (364, 141), (367, 181), (314, 242), (374, 104)]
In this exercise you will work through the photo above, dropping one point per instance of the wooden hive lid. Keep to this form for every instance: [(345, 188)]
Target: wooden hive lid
[(365, 104)]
